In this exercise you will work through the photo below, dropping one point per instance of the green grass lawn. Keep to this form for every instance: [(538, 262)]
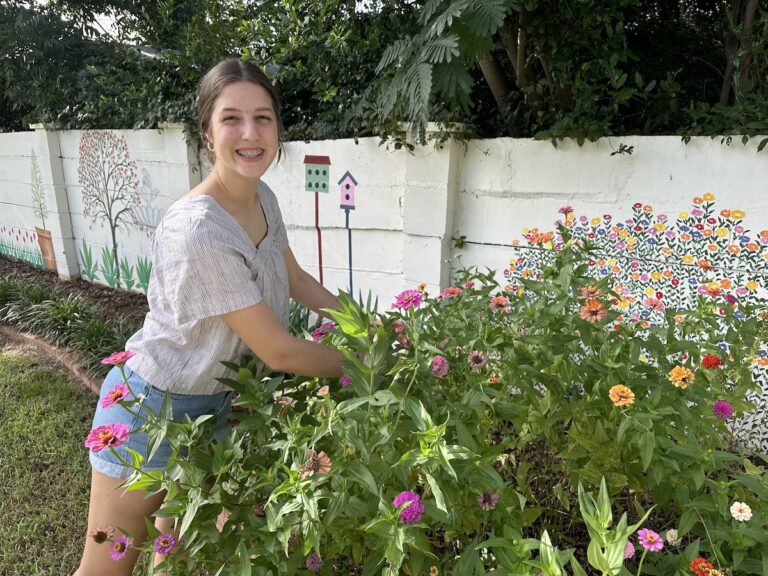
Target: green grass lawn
[(44, 470)]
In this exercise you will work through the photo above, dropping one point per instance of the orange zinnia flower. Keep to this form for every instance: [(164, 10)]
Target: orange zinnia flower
[(621, 395), (681, 377), (593, 311)]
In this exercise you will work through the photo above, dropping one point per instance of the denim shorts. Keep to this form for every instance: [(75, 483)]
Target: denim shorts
[(182, 405)]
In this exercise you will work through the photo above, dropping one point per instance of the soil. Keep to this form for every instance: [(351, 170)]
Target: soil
[(111, 302)]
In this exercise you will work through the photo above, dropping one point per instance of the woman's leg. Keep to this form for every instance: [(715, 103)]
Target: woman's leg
[(112, 506)]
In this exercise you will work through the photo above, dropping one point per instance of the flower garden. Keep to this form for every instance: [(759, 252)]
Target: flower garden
[(600, 412)]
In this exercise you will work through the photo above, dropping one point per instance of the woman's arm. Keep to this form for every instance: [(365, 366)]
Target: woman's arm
[(305, 289), (262, 332)]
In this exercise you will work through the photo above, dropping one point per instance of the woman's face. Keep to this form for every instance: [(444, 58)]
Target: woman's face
[(243, 130)]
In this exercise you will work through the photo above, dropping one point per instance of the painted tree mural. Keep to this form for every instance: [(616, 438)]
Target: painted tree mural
[(109, 181)]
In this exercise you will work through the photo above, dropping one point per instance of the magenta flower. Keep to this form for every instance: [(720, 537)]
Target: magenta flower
[(109, 435), (314, 563), (488, 500), (722, 409), (650, 540), (118, 358), (120, 546), (322, 330), (439, 366), (476, 359), (408, 299), (413, 511), (629, 550), (114, 396), (164, 543), (345, 381)]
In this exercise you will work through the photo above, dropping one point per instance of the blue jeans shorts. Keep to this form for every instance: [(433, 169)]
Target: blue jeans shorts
[(182, 405)]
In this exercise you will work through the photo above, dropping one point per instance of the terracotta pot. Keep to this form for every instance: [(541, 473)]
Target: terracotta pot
[(46, 248)]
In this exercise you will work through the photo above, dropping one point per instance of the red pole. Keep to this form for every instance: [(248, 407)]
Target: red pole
[(319, 236)]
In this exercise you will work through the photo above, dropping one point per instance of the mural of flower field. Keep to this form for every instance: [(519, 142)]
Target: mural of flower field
[(660, 265), (21, 244)]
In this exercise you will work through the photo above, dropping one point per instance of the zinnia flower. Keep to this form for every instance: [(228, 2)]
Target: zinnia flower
[(621, 395), (711, 361), (672, 537), (314, 563), (164, 543), (593, 311), (323, 390), (701, 567), (345, 381), (114, 396), (500, 304), (439, 366), (681, 376), (109, 435), (741, 511), (316, 464), (452, 291), (488, 500), (120, 546), (722, 409), (413, 511), (322, 330), (629, 550), (408, 299), (650, 540), (589, 293), (118, 358), (476, 359)]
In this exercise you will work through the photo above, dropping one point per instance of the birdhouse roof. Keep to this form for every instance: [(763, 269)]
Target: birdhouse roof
[(309, 159), (347, 174)]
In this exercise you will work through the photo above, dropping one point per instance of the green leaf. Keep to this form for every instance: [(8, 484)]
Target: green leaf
[(437, 493), (360, 474), (245, 560)]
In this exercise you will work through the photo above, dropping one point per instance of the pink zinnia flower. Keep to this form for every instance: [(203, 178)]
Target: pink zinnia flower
[(120, 546), (439, 366), (102, 534), (476, 359), (316, 464), (650, 540), (629, 550), (322, 330), (412, 512), (118, 358), (114, 396), (164, 543), (500, 303), (345, 381), (408, 299), (323, 390), (722, 409), (451, 292), (488, 500), (109, 435), (469, 285), (314, 563)]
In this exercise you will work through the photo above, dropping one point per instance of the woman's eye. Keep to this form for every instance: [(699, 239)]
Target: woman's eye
[(229, 118)]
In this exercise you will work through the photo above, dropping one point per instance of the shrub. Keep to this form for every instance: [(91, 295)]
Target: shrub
[(465, 423)]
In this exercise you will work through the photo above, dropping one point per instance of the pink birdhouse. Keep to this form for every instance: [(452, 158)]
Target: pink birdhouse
[(347, 186)]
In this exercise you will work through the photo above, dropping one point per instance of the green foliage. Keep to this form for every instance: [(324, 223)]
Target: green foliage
[(39, 208), (496, 445), (64, 320), (126, 274)]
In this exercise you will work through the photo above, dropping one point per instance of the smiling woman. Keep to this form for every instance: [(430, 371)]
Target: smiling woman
[(223, 275)]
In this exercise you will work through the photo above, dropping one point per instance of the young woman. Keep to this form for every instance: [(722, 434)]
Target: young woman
[(222, 277)]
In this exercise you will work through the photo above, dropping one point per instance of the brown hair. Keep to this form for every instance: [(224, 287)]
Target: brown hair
[(219, 77)]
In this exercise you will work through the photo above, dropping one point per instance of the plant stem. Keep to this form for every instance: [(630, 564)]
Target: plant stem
[(642, 558)]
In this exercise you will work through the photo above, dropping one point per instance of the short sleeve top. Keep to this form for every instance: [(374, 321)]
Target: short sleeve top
[(205, 265)]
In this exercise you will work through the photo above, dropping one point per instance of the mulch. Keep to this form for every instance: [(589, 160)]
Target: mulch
[(111, 302)]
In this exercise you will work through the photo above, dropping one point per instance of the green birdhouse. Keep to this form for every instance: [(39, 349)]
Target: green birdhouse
[(316, 173)]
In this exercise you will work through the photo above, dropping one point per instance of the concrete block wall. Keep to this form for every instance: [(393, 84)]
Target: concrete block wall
[(410, 205)]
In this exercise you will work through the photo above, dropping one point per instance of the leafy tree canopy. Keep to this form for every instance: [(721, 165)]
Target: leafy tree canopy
[(544, 68)]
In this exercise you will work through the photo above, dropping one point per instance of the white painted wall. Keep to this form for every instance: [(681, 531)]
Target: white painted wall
[(409, 205)]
